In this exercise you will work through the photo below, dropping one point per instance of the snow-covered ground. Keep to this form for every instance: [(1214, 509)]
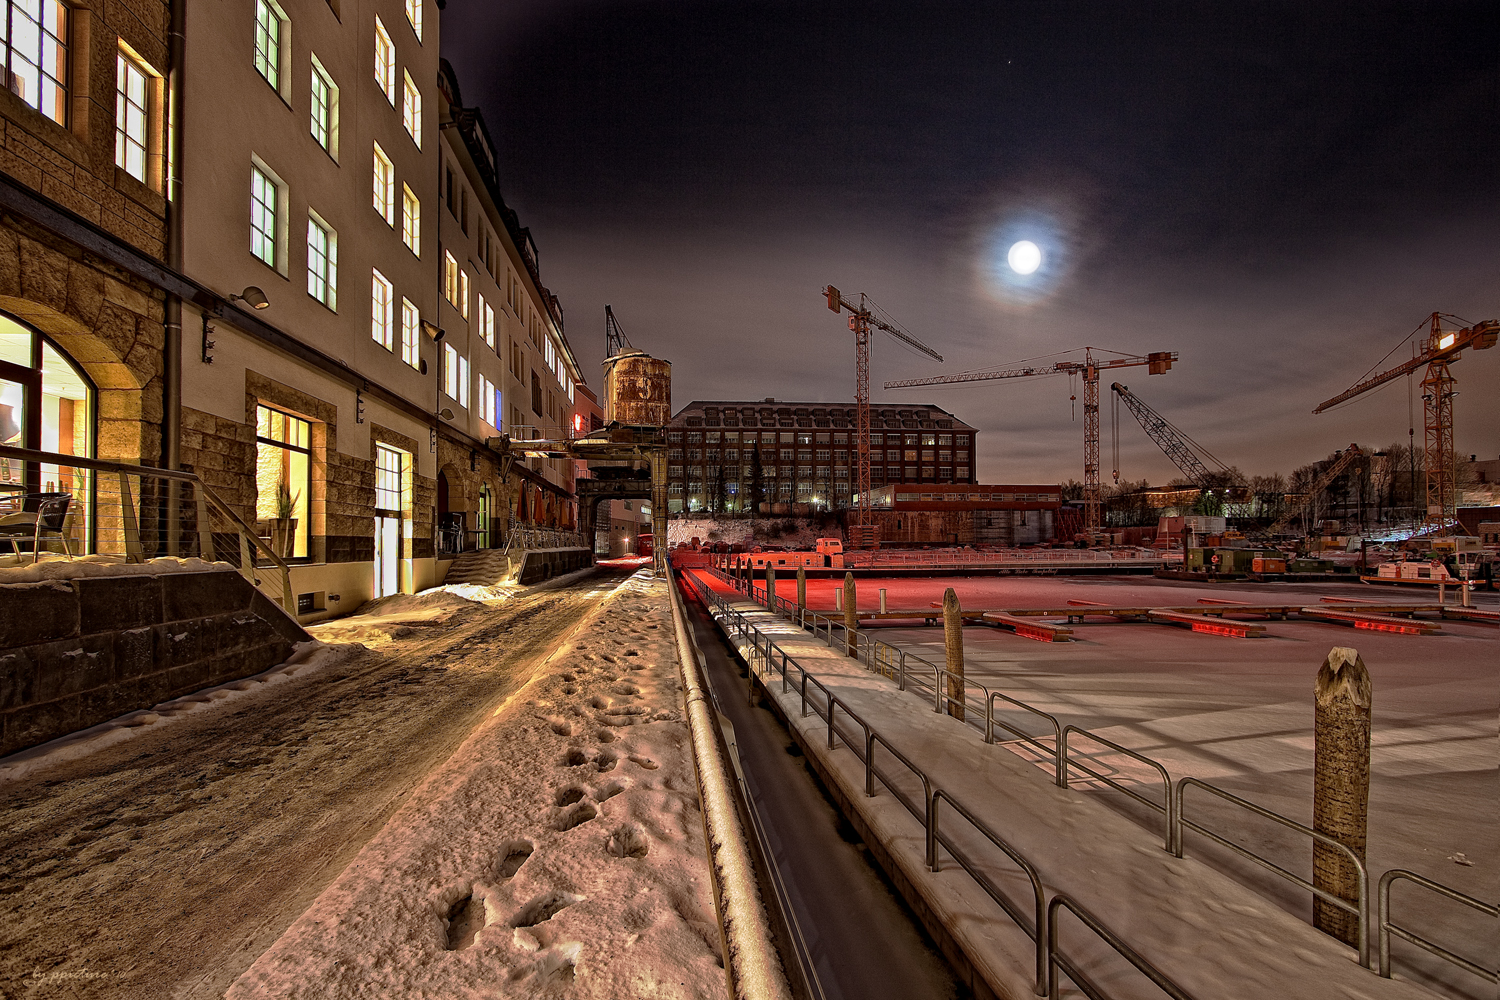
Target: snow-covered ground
[(559, 849)]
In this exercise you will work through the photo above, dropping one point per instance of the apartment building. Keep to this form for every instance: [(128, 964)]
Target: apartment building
[(309, 210), (505, 362), (718, 452), (309, 292)]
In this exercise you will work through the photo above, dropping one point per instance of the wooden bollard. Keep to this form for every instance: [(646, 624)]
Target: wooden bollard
[(851, 619), (953, 645), (1341, 785), (801, 587), (770, 587)]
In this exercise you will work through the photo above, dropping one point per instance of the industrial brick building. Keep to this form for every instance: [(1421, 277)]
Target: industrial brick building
[(934, 514), (721, 453)]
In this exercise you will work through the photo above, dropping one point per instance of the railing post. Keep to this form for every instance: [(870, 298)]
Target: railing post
[(1341, 786), (132, 526), (851, 616), (205, 527), (953, 645)]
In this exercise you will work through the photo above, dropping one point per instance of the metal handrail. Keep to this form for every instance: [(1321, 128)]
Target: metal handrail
[(736, 620), (934, 864), (1167, 809), (1360, 908), (1056, 959), (1174, 805), (1057, 745), (1387, 927), (248, 535)]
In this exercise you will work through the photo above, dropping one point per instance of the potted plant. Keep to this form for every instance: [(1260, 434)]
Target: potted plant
[(284, 525)]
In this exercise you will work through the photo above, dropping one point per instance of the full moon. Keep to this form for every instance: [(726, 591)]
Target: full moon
[(1024, 257)]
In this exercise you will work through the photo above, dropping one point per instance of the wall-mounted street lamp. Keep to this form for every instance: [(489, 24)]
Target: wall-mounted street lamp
[(253, 297)]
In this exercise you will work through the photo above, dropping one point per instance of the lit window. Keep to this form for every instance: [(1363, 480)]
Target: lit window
[(488, 401), (325, 108), (322, 262), (390, 481), (385, 62), (35, 48), (411, 110), (450, 278), (268, 42), (463, 293), (130, 117), (381, 299), (411, 220), (486, 322), (411, 328), (385, 187), (264, 196), (414, 15), (283, 479), (455, 375)]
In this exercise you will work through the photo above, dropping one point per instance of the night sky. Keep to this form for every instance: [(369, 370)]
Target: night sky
[(1281, 193)]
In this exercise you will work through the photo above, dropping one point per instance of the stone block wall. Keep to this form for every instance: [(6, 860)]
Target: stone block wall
[(75, 653), (543, 564)]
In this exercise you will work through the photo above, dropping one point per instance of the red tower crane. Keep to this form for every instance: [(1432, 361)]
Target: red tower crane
[(862, 319), (1441, 350), (1157, 363)]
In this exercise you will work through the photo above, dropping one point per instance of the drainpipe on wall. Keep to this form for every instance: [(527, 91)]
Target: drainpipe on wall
[(171, 369)]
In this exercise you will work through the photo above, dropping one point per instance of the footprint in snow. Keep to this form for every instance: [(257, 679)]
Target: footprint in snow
[(516, 853), (645, 762)]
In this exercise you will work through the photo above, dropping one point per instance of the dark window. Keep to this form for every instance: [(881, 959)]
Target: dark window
[(536, 394)]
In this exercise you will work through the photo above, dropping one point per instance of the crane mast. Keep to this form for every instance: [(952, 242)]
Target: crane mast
[(862, 320), (1440, 351), (1157, 363)]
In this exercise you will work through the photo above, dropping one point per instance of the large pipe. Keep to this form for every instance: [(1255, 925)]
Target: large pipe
[(752, 964), (171, 360)]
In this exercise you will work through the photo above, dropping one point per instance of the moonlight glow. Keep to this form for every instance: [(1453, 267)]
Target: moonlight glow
[(1024, 257)]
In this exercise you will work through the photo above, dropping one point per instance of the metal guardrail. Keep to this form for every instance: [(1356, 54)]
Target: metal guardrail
[(763, 664), (1172, 809), (1055, 957), (1360, 908), (1389, 927), (165, 513)]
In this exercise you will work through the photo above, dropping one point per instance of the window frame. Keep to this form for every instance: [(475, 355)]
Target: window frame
[(128, 65), (383, 181), (385, 61), (277, 237), (382, 318), (414, 17), (320, 78), (411, 108), (328, 277), (411, 333), (275, 47), (56, 82)]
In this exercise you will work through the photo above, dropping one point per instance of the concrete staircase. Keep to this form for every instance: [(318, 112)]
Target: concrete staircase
[(481, 568)]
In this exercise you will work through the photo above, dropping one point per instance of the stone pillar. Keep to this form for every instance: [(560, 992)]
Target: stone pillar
[(953, 645), (851, 619), (770, 588), (801, 587), (1341, 784)]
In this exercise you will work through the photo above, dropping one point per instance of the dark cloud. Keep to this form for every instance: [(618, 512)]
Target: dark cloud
[(1278, 192)]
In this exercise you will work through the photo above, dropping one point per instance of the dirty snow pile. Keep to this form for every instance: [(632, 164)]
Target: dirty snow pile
[(95, 566), (559, 851), (306, 659)]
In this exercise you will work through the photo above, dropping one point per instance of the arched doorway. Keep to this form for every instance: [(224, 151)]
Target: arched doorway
[(47, 403)]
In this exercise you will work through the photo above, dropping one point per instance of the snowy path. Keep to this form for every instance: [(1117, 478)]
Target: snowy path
[(163, 865), (559, 851)]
